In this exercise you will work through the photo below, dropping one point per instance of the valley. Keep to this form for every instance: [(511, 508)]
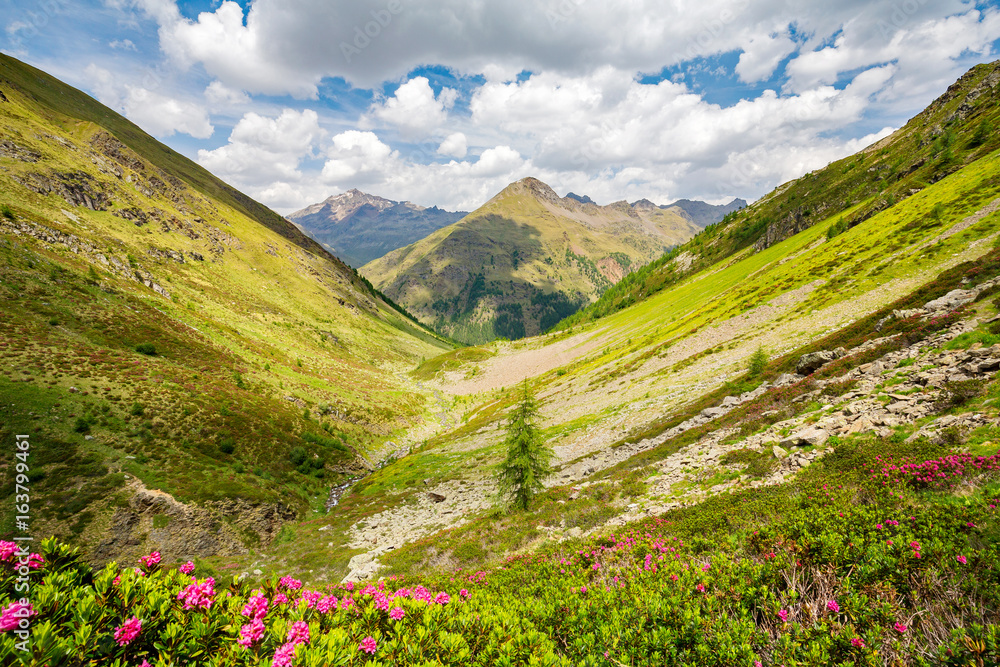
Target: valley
[(774, 425)]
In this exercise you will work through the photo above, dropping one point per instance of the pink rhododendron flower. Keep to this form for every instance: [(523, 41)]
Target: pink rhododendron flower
[(298, 633), (833, 606), (464, 593), (442, 598), (284, 656), (397, 613), (251, 633), (187, 568), (150, 560), (7, 550), (256, 606), (280, 598), (783, 615), (199, 595), (857, 643), (961, 559), (290, 583), (701, 588), (368, 645), (127, 631), (14, 614), (900, 627)]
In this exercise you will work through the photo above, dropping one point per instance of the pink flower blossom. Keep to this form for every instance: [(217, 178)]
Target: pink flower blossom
[(701, 588), (464, 593), (256, 606), (833, 606), (900, 627), (290, 583), (298, 633), (251, 633), (127, 631), (857, 643), (280, 598), (368, 645), (397, 613), (783, 615), (12, 616), (961, 559), (284, 656), (442, 598), (199, 595), (150, 560), (7, 550), (187, 568)]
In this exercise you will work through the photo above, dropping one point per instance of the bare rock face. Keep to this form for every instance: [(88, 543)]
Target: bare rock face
[(154, 520), (74, 187), (952, 300), (809, 363)]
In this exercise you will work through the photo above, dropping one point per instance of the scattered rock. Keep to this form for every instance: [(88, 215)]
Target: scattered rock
[(811, 362), (952, 300)]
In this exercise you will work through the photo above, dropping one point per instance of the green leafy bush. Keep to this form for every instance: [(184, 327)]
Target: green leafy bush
[(146, 348)]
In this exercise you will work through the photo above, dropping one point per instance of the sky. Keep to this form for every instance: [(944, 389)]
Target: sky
[(445, 102)]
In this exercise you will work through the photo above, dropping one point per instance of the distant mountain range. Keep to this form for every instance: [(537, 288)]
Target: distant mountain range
[(359, 227), (528, 258)]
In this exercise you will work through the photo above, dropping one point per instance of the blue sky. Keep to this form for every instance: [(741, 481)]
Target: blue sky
[(446, 102)]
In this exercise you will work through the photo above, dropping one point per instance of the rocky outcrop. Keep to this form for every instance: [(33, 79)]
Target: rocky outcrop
[(154, 520), (76, 187), (17, 152), (813, 361)]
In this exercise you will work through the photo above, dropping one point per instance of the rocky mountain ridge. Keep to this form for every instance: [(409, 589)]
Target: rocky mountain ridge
[(525, 259), (360, 227)]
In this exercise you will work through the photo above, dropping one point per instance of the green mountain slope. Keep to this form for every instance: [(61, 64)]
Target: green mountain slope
[(164, 332), (524, 260), (360, 228), (955, 130), (614, 391)]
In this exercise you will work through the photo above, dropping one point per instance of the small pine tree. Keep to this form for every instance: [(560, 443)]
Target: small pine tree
[(519, 478), (758, 362)]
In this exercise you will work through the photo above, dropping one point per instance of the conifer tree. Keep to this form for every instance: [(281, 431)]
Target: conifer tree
[(520, 476)]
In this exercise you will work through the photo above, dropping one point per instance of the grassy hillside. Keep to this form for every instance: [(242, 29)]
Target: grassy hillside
[(523, 261), (635, 373), (162, 331), (957, 129)]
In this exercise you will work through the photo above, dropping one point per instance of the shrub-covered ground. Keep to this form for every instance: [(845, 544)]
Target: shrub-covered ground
[(886, 552)]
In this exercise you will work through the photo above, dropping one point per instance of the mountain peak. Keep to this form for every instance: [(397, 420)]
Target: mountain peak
[(583, 199), (533, 187)]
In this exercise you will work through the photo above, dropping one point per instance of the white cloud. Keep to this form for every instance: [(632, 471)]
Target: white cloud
[(562, 99), (761, 56), (158, 114), (414, 109), (263, 151), (123, 44), (220, 95), (496, 161), (454, 145)]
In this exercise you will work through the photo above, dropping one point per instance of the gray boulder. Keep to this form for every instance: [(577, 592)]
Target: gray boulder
[(809, 363), (952, 300)]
